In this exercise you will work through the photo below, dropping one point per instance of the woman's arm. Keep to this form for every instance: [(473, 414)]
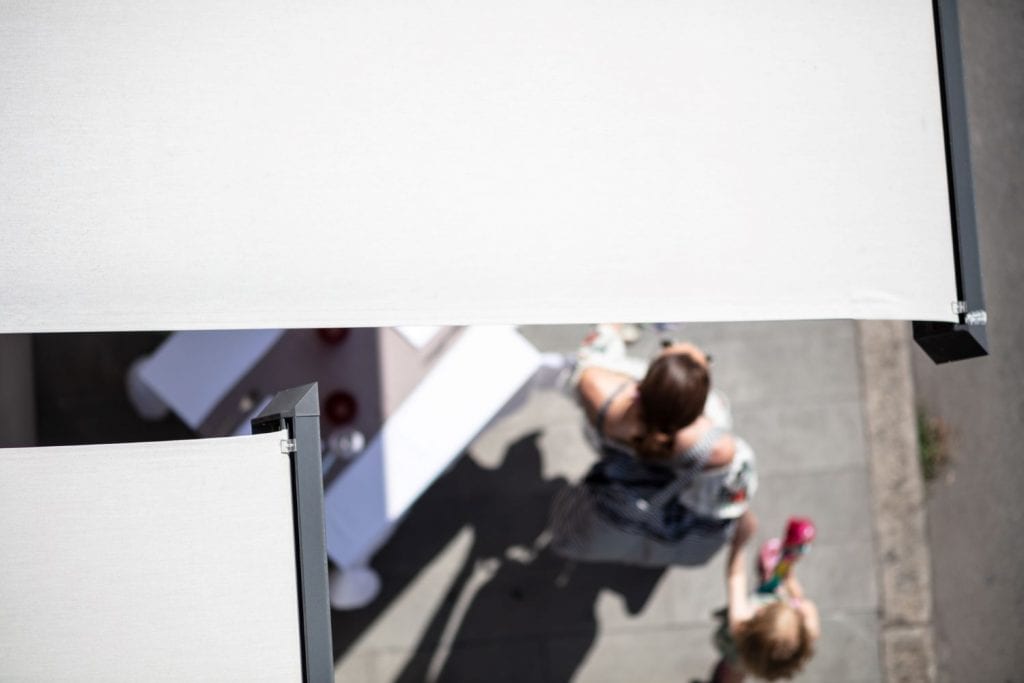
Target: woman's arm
[(595, 386), (687, 348)]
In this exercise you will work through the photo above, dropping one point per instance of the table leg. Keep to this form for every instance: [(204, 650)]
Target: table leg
[(353, 587)]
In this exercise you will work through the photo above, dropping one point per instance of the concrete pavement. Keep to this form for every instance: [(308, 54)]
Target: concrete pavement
[(470, 594)]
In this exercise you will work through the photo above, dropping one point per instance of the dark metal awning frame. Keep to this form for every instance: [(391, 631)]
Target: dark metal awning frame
[(298, 411), (967, 338)]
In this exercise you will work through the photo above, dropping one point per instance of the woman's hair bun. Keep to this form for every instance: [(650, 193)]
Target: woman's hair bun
[(655, 444)]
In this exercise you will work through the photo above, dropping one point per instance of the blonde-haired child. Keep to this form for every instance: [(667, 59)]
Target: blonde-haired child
[(769, 636)]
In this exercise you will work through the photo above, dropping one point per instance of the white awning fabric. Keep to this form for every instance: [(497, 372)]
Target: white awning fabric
[(263, 164), (166, 561)]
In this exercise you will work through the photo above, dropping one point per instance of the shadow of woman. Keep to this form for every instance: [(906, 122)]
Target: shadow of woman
[(534, 616)]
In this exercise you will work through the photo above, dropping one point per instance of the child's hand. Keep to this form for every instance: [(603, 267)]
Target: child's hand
[(793, 587)]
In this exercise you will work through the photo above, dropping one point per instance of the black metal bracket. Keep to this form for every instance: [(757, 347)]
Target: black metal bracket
[(967, 338), (298, 411)]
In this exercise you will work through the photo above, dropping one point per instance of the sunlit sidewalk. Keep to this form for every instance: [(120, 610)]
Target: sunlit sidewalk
[(471, 594)]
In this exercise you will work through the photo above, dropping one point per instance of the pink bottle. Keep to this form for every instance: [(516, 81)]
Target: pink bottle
[(800, 532)]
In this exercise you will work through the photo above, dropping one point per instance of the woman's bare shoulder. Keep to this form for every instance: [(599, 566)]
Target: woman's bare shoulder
[(722, 451), (596, 385), (601, 381)]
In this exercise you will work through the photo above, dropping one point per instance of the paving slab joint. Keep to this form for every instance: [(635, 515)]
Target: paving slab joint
[(902, 555)]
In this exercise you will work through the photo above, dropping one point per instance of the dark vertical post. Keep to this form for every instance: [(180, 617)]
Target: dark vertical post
[(967, 338), (298, 411)]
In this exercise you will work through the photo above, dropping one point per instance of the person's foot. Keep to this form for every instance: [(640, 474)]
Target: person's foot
[(771, 551), (630, 332)]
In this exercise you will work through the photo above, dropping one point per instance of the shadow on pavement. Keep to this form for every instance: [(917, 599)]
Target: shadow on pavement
[(534, 616)]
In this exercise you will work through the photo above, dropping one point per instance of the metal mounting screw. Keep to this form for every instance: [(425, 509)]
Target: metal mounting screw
[(976, 318)]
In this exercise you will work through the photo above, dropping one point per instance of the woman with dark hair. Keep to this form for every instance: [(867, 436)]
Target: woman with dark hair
[(670, 483), (652, 414)]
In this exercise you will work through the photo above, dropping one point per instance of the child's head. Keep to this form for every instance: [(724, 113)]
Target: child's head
[(775, 642)]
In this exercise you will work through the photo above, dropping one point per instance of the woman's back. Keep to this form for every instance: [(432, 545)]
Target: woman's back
[(653, 498), (613, 411), (727, 477)]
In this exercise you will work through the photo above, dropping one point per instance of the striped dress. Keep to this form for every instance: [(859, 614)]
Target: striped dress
[(631, 511)]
